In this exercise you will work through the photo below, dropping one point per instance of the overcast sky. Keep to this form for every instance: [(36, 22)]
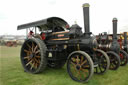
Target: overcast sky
[(16, 12)]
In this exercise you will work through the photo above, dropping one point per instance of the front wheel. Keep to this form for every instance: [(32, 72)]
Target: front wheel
[(103, 62), (80, 66), (123, 58), (114, 60)]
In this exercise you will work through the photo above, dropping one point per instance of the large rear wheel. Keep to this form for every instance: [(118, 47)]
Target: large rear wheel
[(33, 55), (114, 60), (80, 66)]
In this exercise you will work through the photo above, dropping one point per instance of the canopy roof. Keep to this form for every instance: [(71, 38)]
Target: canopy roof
[(45, 24)]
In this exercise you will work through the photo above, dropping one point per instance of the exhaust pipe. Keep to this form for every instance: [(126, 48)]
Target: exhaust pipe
[(86, 18), (114, 28)]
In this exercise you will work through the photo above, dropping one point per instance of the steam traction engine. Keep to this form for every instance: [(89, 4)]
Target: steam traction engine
[(58, 43), (112, 45)]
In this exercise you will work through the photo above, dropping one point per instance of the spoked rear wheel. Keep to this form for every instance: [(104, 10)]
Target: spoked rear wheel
[(123, 58), (33, 55), (80, 66), (103, 62), (114, 60)]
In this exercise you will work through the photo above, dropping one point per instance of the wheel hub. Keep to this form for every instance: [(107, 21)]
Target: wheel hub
[(78, 67), (32, 55)]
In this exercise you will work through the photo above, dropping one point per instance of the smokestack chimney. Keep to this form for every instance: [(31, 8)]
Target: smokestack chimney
[(86, 17), (114, 28), (125, 38)]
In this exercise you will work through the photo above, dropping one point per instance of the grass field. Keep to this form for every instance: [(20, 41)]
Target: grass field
[(12, 73)]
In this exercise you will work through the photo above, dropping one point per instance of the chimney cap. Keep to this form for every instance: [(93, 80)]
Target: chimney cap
[(86, 5), (114, 18)]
